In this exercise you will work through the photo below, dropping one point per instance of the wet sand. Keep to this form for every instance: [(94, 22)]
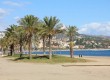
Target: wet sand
[(10, 70)]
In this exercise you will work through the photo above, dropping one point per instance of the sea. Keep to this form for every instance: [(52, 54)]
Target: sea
[(78, 52)]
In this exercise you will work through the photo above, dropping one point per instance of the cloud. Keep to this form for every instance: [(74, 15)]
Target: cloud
[(17, 18), (11, 3), (17, 4), (3, 26), (96, 29), (3, 12)]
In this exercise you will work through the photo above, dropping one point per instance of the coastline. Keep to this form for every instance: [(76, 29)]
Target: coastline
[(84, 52), (73, 49)]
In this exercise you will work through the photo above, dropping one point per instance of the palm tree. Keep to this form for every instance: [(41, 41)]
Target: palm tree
[(4, 44), (29, 22), (43, 34), (21, 37), (71, 32), (11, 37), (51, 26)]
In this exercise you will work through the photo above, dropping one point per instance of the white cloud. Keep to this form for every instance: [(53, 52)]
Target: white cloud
[(17, 18), (17, 4), (3, 12), (12, 3), (96, 29), (3, 26)]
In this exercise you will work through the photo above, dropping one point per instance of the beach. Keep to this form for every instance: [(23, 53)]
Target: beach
[(10, 70)]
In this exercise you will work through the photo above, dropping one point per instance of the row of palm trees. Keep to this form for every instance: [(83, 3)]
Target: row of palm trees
[(30, 30)]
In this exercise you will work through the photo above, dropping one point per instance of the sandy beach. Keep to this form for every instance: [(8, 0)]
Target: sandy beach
[(10, 70)]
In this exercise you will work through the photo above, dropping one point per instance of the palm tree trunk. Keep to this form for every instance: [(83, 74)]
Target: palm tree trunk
[(71, 47), (21, 46), (3, 50), (50, 49), (13, 52), (11, 49), (21, 50), (44, 45), (30, 45)]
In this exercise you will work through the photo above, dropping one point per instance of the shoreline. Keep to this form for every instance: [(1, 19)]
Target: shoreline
[(89, 52), (73, 49)]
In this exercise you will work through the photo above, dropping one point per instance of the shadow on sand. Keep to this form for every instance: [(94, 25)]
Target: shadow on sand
[(83, 65), (33, 57)]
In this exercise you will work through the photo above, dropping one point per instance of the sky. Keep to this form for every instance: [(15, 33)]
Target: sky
[(90, 16)]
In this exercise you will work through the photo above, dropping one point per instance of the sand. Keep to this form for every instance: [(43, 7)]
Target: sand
[(10, 70)]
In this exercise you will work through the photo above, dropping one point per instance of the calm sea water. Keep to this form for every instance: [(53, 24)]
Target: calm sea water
[(77, 52)]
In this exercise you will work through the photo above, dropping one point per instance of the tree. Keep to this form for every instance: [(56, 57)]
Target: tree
[(43, 35), (51, 26), (71, 32), (11, 38), (29, 22), (3, 44), (21, 37)]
